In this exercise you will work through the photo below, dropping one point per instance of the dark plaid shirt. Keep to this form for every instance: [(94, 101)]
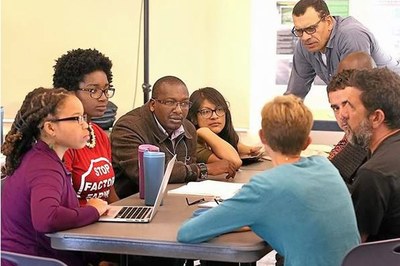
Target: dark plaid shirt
[(347, 158)]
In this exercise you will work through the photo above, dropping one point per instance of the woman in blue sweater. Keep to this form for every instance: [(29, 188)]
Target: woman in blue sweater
[(301, 206)]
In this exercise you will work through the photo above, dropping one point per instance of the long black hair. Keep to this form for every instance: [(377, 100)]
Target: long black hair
[(228, 133)]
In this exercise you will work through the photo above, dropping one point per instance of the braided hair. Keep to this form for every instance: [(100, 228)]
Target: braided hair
[(25, 130)]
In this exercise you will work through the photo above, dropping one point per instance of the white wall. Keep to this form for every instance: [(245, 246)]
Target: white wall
[(222, 43), (204, 42)]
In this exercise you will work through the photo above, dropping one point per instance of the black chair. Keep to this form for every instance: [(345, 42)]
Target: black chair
[(29, 260), (385, 252)]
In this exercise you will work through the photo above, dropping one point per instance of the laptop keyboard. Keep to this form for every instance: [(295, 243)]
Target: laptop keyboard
[(134, 212)]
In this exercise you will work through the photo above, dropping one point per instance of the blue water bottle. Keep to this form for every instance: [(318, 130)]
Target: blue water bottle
[(153, 164)]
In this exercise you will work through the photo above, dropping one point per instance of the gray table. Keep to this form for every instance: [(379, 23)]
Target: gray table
[(158, 238)]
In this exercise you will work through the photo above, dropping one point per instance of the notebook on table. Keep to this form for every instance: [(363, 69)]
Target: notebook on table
[(139, 214)]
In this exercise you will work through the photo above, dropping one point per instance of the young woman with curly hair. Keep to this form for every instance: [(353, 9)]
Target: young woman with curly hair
[(87, 73)]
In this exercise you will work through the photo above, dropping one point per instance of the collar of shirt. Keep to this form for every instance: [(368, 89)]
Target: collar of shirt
[(336, 22), (174, 134)]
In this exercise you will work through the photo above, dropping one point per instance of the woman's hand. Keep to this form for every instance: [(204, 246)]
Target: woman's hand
[(245, 150), (255, 150), (100, 205)]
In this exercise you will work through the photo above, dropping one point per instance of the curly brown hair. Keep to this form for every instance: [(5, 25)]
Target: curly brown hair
[(25, 130), (380, 90)]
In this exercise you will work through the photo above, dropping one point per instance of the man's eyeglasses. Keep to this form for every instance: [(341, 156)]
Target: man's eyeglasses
[(80, 119), (190, 203), (96, 93), (207, 112), (309, 30), (217, 200), (174, 104)]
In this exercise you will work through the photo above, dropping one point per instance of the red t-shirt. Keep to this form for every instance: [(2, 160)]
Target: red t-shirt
[(91, 168)]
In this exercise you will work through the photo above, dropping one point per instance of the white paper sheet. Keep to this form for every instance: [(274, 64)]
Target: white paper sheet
[(223, 190)]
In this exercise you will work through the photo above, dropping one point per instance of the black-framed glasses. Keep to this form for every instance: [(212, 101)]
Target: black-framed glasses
[(173, 104), (80, 119), (218, 200), (309, 30), (207, 112), (190, 203), (96, 93)]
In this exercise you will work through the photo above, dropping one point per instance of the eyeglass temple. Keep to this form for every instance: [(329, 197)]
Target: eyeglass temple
[(194, 202), (218, 200)]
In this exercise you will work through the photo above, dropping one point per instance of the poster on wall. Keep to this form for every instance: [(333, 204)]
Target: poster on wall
[(388, 36)]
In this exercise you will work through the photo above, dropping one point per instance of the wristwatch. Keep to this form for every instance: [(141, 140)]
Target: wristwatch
[(203, 171)]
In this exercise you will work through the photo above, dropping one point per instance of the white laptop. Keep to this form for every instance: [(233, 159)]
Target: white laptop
[(139, 214)]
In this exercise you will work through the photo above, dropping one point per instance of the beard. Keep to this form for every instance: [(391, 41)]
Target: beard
[(363, 135)]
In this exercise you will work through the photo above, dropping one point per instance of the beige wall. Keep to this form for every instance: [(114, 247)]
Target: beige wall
[(204, 42)]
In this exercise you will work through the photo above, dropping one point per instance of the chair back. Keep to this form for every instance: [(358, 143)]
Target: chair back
[(385, 252), (29, 260)]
